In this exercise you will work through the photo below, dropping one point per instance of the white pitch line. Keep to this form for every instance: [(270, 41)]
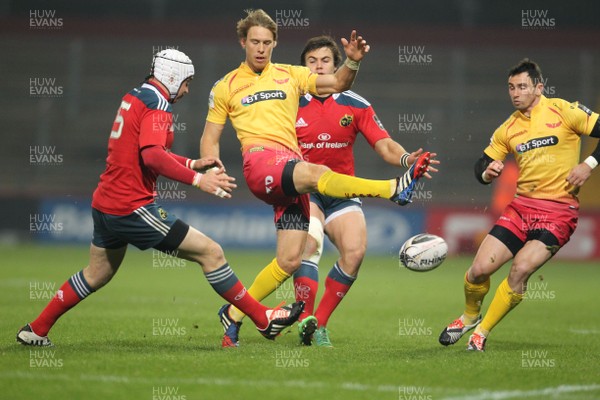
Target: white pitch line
[(585, 331), (519, 394), (351, 386)]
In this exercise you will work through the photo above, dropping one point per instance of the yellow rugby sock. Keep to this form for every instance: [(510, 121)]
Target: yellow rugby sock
[(265, 283), (474, 294), (504, 300), (346, 186)]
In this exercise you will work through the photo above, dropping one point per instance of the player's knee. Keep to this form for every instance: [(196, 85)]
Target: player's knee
[(477, 273), (289, 264), (352, 259), (210, 256), (311, 247), (214, 253), (314, 241), (97, 276), (313, 174), (319, 170), (520, 272)]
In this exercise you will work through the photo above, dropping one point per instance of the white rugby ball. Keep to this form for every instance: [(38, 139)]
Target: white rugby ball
[(423, 252)]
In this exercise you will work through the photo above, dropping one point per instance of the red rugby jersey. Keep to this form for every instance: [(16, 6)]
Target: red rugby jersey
[(144, 118), (327, 129)]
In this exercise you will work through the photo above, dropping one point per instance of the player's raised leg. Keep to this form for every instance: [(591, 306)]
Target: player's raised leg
[(103, 265), (492, 254), (310, 178)]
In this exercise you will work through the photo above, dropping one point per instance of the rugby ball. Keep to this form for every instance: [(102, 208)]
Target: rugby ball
[(423, 252)]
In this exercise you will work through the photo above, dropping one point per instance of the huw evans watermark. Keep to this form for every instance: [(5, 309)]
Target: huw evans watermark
[(537, 359), (167, 393), (43, 291), (167, 327), (167, 260), (45, 87), (414, 393), (45, 155), (414, 123), (291, 19), (44, 223), (537, 19), (44, 359), (413, 327), (412, 55), (290, 359), (44, 19)]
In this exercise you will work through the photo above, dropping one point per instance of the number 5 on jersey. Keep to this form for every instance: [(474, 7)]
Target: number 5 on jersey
[(119, 121)]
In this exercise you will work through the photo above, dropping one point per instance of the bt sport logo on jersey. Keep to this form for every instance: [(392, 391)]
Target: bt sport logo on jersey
[(263, 96)]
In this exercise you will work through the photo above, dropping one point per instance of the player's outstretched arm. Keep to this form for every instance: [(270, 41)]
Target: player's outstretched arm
[(355, 50)]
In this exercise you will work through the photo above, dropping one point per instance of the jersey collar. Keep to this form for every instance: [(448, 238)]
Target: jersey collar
[(246, 68), (540, 105), (159, 89), (321, 99), (543, 101)]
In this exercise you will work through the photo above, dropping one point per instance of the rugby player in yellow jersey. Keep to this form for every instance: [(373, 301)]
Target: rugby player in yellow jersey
[(544, 137), (261, 100)]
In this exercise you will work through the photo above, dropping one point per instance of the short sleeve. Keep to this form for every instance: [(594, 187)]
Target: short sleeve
[(217, 104), (307, 81), (371, 127), (498, 148), (580, 118)]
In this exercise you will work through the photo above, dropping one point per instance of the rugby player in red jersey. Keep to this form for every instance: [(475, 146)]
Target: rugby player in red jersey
[(544, 136), (124, 211), (260, 98), (327, 127)]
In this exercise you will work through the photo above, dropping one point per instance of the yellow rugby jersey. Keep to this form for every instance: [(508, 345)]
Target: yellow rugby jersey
[(546, 146), (262, 107)]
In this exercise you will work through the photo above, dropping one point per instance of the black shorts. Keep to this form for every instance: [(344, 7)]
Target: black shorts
[(148, 226)]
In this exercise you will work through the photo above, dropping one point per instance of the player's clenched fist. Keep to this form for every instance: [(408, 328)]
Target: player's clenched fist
[(493, 170)]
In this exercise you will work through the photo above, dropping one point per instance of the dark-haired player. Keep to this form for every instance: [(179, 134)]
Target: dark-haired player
[(327, 127), (544, 137)]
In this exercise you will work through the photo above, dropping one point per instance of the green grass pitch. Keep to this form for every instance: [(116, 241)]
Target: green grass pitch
[(153, 333)]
